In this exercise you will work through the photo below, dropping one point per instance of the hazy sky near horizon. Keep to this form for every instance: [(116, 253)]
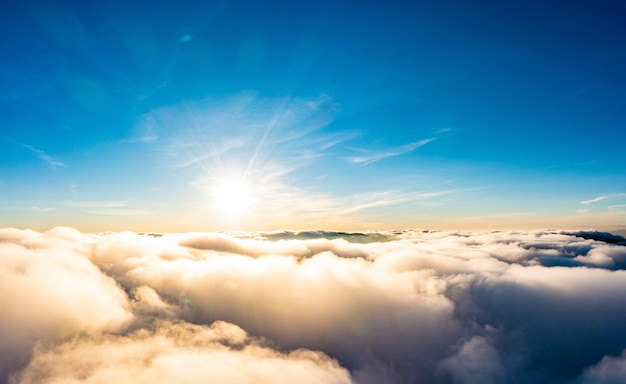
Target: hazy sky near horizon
[(193, 115)]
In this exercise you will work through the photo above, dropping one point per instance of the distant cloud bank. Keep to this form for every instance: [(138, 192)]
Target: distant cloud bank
[(313, 307)]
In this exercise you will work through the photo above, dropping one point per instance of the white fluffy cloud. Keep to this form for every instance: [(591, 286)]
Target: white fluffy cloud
[(50, 291), (178, 353), (403, 307)]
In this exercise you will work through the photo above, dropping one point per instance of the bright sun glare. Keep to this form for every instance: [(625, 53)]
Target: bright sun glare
[(233, 197)]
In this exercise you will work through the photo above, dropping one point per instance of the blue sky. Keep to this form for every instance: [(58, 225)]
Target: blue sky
[(340, 115)]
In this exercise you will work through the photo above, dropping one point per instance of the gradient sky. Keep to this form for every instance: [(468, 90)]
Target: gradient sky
[(335, 114)]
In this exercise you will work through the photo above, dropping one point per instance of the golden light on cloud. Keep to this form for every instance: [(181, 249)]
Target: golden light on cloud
[(312, 307)]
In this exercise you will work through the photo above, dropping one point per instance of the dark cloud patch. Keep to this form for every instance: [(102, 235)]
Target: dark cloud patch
[(539, 320), (353, 237), (606, 237)]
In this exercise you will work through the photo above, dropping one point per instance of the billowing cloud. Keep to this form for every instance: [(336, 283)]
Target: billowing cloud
[(475, 362), (610, 370), (313, 307), (178, 353), (49, 291)]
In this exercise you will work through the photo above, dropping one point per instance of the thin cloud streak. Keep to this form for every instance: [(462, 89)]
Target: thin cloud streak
[(402, 150), (594, 200), (40, 209), (603, 197), (96, 204), (110, 208), (381, 199), (51, 161)]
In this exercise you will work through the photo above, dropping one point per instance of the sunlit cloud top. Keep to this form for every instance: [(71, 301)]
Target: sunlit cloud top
[(319, 307)]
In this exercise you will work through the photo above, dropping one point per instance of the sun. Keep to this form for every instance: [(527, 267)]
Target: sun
[(233, 198)]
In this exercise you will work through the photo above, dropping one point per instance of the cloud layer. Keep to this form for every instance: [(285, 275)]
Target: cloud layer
[(312, 307)]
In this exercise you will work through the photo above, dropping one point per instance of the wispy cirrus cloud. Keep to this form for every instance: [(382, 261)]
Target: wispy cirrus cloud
[(143, 139), (594, 200), (243, 132), (387, 198), (372, 157), (42, 155), (42, 209), (96, 204), (603, 197), (112, 208)]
